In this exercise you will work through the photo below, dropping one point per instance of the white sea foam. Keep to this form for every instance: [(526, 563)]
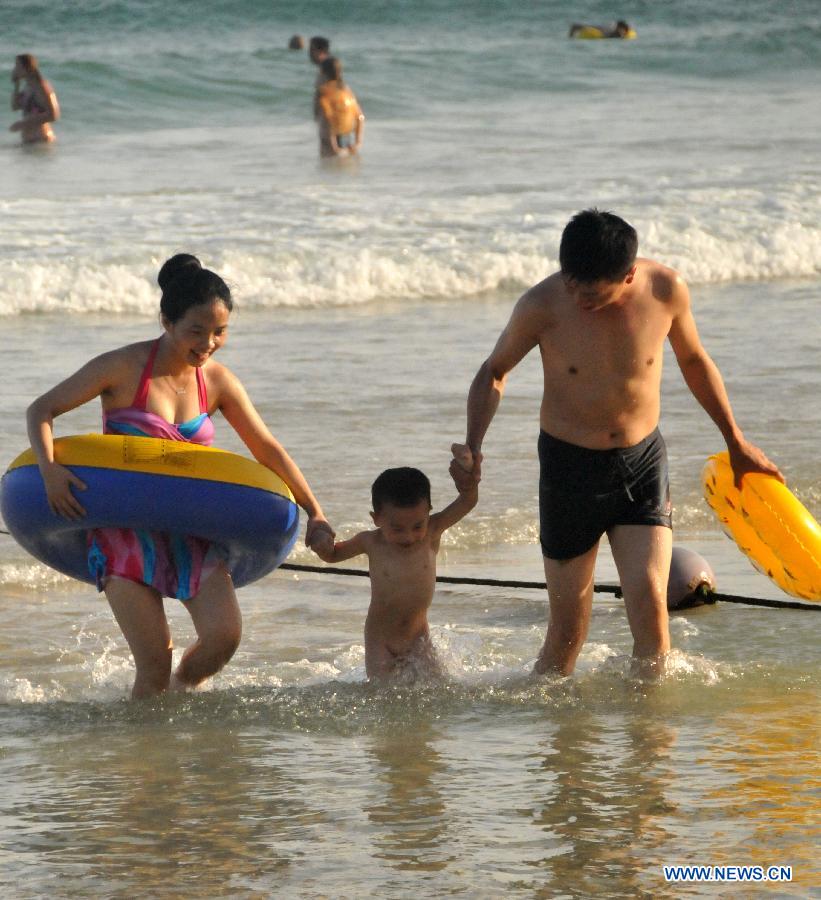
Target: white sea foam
[(745, 247), (318, 266)]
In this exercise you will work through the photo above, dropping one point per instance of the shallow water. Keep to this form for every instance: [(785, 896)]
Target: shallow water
[(289, 774), (482, 787)]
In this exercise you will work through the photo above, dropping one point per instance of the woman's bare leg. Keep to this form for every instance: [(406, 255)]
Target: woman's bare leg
[(218, 623), (139, 612)]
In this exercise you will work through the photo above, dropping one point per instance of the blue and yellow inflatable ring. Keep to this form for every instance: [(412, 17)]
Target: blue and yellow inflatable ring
[(139, 482)]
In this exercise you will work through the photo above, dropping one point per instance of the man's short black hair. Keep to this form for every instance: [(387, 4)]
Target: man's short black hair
[(400, 487), (320, 43), (597, 246)]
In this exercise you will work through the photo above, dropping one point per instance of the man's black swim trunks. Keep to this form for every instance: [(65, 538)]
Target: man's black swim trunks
[(583, 493)]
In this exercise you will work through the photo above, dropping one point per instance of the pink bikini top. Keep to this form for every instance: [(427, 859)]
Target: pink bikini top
[(137, 420)]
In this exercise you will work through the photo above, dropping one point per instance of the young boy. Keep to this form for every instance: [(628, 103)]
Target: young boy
[(401, 553)]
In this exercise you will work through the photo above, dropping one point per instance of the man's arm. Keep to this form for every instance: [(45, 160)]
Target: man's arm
[(704, 380), (515, 342)]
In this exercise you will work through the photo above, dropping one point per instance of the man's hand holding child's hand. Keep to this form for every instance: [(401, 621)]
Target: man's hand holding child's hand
[(465, 468)]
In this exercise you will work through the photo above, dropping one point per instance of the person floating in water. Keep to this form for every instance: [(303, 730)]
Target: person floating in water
[(342, 117), (401, 554), (618, 29), (36, 99)]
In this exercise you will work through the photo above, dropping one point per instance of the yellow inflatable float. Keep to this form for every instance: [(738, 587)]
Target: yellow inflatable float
[(769, 524)]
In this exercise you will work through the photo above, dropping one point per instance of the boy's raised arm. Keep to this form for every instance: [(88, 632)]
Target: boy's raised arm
[(467, 483)]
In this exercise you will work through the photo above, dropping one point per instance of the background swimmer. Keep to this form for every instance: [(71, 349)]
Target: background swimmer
[(341, 116), (620, 29), (35, 99), (319, 49)]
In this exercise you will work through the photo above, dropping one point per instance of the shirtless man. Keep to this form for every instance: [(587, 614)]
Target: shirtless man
[(600, 325), (401, 554)]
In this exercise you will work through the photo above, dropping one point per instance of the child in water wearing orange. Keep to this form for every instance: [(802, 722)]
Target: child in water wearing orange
[(401, 553), (340, 113)]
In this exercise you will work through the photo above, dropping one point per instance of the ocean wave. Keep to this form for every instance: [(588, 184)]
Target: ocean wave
[(319, 274), (750, 245)]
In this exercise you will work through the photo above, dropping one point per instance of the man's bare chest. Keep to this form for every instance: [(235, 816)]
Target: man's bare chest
[(604, 344)]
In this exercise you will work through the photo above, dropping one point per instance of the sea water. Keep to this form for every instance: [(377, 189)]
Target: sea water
[(366, 297)]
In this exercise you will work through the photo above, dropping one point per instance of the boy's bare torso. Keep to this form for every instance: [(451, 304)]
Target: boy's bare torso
[(602, 367), (403, 580)]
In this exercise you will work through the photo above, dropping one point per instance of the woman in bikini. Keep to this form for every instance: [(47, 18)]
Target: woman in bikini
[(35, 99), (168, 388)]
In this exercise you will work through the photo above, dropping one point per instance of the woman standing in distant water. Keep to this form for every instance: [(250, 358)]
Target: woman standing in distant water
[(35, 99), (167, 388)]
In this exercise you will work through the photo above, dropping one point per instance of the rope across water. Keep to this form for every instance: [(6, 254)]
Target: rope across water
[(536, 585), (531, 585)]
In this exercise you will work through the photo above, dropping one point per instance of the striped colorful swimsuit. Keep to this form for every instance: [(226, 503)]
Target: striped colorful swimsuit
[(175, 565)]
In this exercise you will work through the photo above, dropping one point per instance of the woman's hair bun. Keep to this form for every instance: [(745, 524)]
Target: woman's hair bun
[(185, 283), (175, 266)]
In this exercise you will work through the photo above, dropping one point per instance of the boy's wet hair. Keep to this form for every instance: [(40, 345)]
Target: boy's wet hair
[(403, 486), (597, 246), (322, 44), (184, 283)]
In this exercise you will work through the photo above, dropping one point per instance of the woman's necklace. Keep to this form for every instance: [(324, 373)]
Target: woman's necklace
[(179, 391), (174, 388)]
